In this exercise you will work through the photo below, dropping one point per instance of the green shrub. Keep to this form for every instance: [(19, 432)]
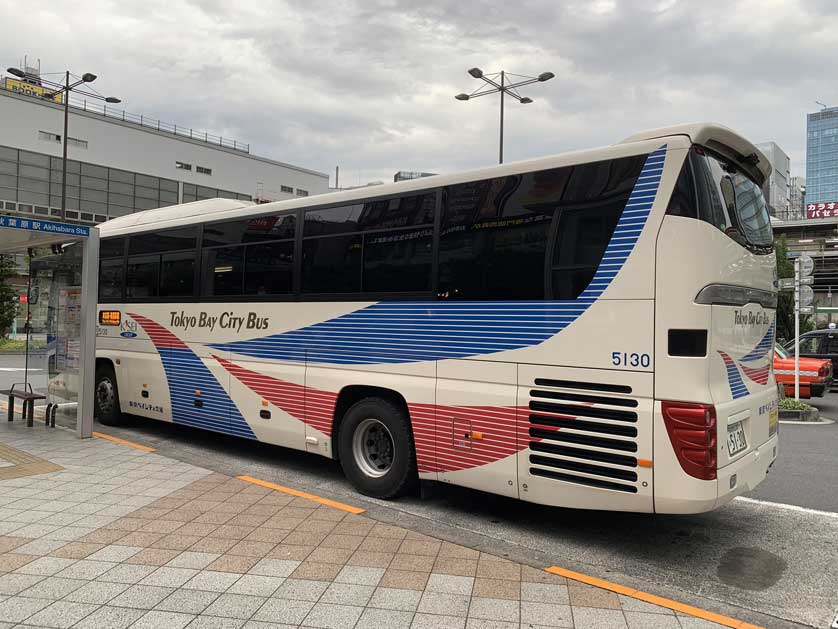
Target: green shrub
[(790, 404)]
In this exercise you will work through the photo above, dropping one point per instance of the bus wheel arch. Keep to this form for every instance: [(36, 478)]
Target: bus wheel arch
[(372, 436)]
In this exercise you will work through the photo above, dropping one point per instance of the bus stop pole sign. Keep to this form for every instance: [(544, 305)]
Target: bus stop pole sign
[(803, 298)]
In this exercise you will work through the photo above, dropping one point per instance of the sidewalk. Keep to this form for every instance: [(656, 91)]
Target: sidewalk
[(98, 534)]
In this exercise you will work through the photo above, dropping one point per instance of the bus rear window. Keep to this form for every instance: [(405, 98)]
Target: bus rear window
[(713, 190)]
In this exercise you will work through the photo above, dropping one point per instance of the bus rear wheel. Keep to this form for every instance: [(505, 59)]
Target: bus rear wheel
[(376, 450), (106, 397)]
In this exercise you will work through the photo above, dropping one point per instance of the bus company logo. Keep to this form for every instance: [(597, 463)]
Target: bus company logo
[(129, 328), (224, 321), (751, 318)]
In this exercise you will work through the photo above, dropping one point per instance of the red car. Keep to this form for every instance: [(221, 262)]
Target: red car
[(815, 374)]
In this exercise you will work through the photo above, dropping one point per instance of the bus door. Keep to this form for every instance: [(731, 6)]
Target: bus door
[(475, 425)]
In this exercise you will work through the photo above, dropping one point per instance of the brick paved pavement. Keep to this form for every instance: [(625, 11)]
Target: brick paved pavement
[(117, 537)]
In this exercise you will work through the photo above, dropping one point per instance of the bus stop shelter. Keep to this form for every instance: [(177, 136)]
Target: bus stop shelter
[(63, 264)]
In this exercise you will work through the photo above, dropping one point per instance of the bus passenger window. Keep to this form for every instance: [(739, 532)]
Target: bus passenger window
[(223, 271), (332, 265), (177, 274), (142, 277), (269, 268), (111, 280), (398, 261)]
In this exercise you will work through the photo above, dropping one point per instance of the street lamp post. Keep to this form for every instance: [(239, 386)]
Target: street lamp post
[(55, 90), (803, 201), (497, 84)]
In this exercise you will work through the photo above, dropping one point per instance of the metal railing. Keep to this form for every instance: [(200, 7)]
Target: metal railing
[(102, 109)]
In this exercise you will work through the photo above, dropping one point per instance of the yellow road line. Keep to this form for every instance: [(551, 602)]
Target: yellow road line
[(651, 598), (302, 494), (124, 442)]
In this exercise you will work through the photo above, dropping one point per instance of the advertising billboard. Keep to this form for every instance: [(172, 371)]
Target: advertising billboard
[(827, 209), (27, 89)]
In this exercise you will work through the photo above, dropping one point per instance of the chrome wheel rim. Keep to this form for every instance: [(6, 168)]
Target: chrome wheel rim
[(105, 396), (372, 448)]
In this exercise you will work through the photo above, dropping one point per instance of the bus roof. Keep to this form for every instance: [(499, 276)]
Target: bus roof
[(713, 136), (710, 135), (174, 212)]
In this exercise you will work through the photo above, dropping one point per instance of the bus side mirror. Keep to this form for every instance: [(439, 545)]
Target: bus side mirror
[(34, 294)]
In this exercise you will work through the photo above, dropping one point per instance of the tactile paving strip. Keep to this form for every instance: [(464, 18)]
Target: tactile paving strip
[(16, 464)]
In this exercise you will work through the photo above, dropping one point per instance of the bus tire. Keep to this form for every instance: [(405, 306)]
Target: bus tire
[(106, 397), (375, 445)]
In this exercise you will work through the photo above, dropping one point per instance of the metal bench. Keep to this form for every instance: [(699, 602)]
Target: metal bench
[(28, 398)]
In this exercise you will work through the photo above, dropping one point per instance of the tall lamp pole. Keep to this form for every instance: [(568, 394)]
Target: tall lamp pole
[(496, 83), (57, 89)]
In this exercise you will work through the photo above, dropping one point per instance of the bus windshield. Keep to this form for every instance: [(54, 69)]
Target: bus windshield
[(736, 203)]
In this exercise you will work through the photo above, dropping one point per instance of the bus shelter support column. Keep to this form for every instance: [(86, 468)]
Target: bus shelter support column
[(87, 357)]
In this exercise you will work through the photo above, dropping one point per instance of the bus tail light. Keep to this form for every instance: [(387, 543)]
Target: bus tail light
[(823, 372), (692, 432)]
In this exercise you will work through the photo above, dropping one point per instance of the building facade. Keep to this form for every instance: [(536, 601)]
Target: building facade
[(119, 163), (822, 156), (776, 187), (797, 197)]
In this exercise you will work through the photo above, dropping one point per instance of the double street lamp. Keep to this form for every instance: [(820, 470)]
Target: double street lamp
[(54, 90), (496, 83)]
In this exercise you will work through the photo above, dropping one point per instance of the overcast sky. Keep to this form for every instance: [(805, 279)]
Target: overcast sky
[(369, 85)]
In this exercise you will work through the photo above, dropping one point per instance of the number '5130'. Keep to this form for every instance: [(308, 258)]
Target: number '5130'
[(624, 359)]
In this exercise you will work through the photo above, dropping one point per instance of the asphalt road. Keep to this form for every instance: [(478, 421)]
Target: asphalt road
[(12, 365), (806, 471), (766, 563)]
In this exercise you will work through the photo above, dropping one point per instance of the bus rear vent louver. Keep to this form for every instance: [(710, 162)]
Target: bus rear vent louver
[(584, 433)]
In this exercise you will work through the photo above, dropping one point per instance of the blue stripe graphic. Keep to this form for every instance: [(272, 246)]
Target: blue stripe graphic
[(762, 348), (403, 332), (186, 373), (737, 387)]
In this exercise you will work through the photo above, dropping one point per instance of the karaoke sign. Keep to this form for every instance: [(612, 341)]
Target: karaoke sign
[(828, 209)]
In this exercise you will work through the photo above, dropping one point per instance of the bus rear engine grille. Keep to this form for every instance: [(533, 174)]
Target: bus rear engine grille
[(585, 434)]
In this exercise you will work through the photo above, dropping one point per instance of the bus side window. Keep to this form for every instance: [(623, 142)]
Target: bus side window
[(161, 264), (375, 246), (111, 269), (683, 202)]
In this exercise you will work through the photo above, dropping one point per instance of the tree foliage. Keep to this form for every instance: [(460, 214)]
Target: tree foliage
[(8, 295), (785, 299)]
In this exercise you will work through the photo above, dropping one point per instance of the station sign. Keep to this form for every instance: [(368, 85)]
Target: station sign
[(827, 209), (47, 227)]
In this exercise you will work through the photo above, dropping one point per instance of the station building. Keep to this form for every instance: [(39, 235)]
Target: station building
[(119, 163)]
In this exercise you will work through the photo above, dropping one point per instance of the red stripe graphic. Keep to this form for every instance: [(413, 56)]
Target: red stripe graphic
[(440, 449), (159, 335), (437, 447), (760, 376), (503, 431), (311, 406)]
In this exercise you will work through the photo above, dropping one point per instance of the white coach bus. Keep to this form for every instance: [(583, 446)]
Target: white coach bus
[(589, 330)]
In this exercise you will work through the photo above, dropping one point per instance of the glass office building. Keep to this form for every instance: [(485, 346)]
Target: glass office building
[(822, 156)]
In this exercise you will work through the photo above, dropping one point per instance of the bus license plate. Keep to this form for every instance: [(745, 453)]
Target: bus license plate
[(736, 439)]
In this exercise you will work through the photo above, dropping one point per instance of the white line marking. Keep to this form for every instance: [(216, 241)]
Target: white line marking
[(18, 369), (780, 505)]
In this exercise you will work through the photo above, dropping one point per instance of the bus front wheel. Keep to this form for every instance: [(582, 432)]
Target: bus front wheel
[(376, 449), (106, 398)]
